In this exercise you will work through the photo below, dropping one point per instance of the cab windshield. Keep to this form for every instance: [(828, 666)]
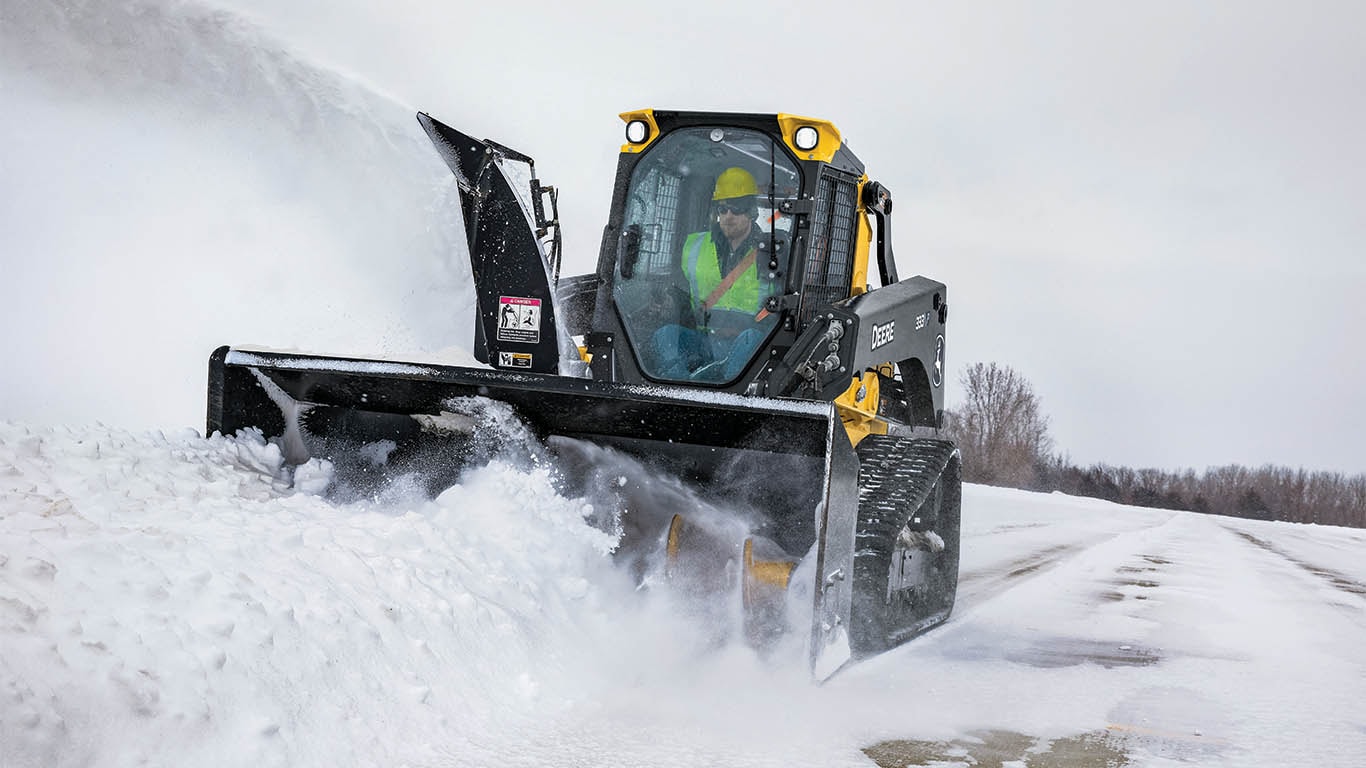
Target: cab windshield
[(702, 250)]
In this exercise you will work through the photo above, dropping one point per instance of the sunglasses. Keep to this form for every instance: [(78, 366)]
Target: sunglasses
[(742, 209)]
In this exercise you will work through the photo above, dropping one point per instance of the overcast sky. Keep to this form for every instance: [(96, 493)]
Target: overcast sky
[(1156, 213)]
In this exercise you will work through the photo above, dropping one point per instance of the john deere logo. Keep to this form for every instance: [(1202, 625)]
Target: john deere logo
[(937, 377), (883, 334)]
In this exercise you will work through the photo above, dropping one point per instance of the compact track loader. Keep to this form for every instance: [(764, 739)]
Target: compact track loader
[(728, 339)]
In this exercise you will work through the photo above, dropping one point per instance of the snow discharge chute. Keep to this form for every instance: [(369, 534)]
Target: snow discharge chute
[(727, 339)]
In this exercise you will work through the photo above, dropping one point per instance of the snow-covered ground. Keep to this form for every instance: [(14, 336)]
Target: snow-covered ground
[(165, 601)]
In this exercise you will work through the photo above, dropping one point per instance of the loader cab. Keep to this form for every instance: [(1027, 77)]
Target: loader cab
[(691, 284)]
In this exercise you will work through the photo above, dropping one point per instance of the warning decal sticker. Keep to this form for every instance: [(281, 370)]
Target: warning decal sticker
[(519, 319), (514, 360)]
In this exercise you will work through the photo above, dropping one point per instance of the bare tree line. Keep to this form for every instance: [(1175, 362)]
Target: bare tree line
[(1003, 435), (1001, 426)]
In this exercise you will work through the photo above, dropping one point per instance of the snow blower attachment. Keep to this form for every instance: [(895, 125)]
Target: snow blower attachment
[(728, 339)]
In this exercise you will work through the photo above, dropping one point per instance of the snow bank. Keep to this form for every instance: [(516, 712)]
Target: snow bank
[(161, 597)]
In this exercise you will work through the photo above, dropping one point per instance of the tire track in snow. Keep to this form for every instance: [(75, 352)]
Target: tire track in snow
[(1351, 593), (1333, 578), (978, 585)]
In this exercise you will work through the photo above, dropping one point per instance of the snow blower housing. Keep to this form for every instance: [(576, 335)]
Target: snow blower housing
[(728, 337)]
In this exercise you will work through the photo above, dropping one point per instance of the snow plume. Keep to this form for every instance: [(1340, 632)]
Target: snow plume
[(435, 453), (699, 577), (640, 498), (632, 503), (166, 165)]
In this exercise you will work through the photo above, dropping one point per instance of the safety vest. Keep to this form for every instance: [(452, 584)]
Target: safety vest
[(703, 269)]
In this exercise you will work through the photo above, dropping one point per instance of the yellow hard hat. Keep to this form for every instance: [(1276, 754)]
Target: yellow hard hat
[(734, 182)]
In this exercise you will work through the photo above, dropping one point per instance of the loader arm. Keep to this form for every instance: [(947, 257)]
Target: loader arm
[(901, 323)]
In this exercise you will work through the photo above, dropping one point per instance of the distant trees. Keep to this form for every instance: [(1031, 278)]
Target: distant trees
[(1267, 493), (1000, 429), (1002, 433)]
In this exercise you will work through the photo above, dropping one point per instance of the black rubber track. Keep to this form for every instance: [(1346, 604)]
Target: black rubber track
[(903, 481)]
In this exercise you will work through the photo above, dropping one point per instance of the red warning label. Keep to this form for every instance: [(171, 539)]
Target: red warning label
[(519, 319)]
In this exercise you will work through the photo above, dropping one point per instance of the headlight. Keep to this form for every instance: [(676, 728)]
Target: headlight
[(637, 131), (806, 138)]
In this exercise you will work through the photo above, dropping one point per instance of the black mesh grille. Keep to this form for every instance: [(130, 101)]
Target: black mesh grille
[(830, 255), (657, 238)]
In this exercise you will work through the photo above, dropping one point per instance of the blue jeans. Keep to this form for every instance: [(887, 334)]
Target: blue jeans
[(687, 354)]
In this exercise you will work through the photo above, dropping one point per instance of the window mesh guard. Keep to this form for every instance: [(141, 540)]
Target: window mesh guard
[(830, 255), (657, 234)]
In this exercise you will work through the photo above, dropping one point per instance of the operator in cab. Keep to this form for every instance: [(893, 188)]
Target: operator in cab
[(726, 288)]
